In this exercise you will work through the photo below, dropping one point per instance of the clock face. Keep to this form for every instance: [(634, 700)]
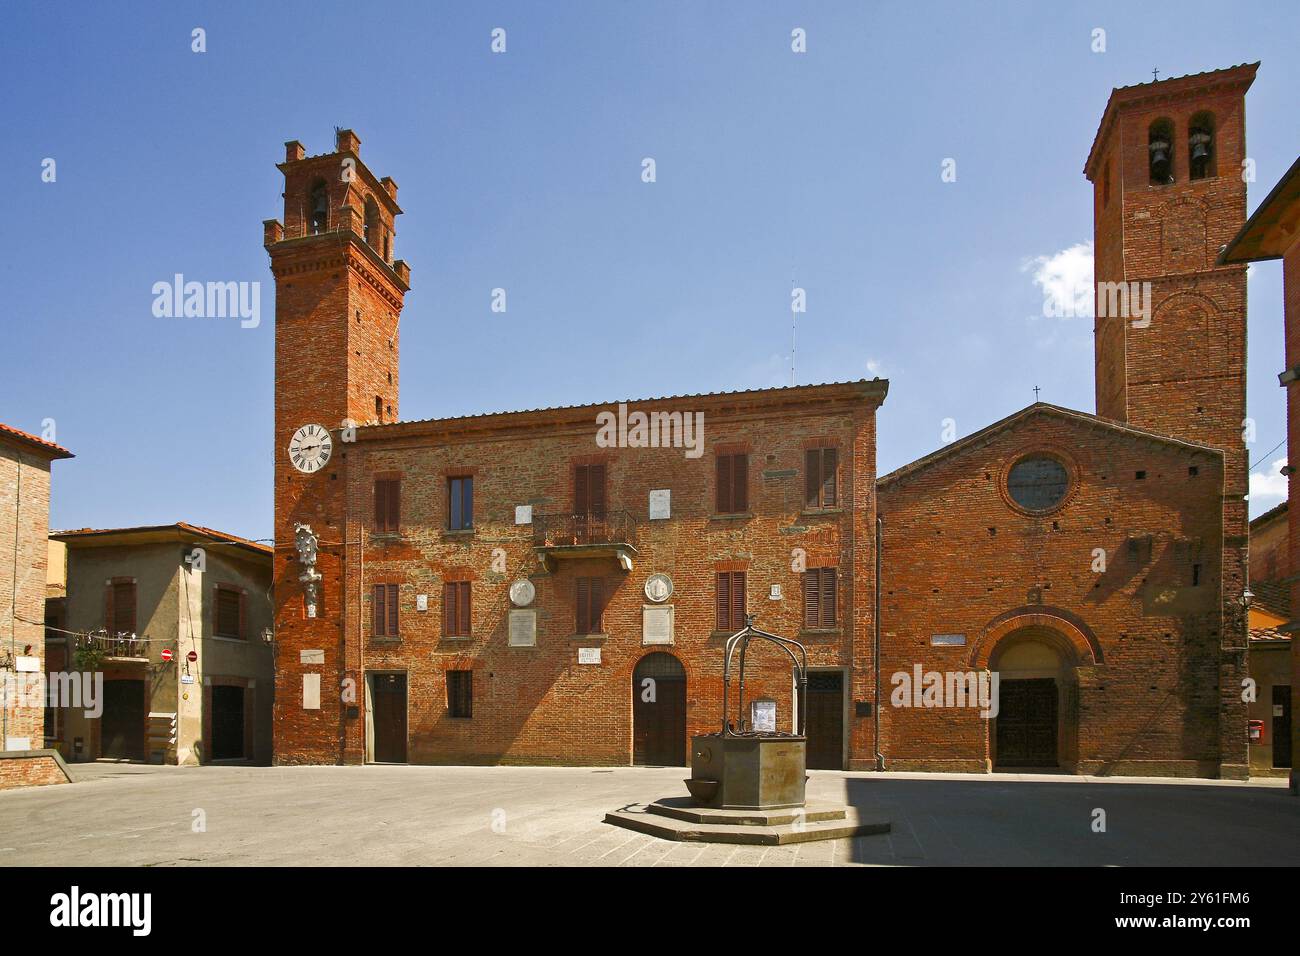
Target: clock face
[(310, 448)]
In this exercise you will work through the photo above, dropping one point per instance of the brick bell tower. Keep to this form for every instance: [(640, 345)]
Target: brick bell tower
[(338, 297), (1170, 338)]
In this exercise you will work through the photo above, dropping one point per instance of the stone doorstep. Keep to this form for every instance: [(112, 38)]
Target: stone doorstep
[(683, 808), (672, 828)]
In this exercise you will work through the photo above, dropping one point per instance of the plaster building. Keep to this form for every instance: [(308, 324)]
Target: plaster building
[(176, 618), (25, 462), (506, 587)]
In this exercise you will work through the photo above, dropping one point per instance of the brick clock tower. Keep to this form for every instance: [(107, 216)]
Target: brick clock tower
[(1169, 191), (338, 296)]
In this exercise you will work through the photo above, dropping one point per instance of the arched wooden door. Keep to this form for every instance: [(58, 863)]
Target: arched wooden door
[(659, 711)]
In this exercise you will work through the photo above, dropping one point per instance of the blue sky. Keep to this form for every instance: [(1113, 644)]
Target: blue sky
[(522, 170)]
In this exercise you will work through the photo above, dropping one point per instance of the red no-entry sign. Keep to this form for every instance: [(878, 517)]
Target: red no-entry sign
[(167, 653), (192, 656)]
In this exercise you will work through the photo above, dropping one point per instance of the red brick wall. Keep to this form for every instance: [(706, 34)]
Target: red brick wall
[(1291, 295), (337, 308), (34, 770), (1184, 374), (959, 559), (538, 704)]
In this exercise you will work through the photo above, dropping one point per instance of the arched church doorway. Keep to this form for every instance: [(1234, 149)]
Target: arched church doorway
[(1033, 724), (659, 711)]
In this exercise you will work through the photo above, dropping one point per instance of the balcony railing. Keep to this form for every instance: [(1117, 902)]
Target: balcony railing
[(586, 535), (118, 645)]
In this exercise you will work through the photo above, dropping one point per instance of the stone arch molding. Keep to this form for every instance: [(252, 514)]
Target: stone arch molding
[(1082, 642)]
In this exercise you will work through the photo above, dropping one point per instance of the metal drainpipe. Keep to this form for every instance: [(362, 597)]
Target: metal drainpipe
[(875, 710)]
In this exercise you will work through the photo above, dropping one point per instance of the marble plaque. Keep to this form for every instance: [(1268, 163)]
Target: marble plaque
[(523, 627), (311, 691), (589, 655), (656, 624), (523, 514), (660, 504), (311, 657)]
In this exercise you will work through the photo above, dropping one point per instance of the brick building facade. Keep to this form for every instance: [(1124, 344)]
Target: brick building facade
[(1272, 233), (25, 504), (500, 587)]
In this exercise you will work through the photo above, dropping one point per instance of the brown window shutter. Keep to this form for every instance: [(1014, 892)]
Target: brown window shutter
[(580, 502), (722, 586), (448, 609), (582, 623), (243, 616), (810, 598), (737, 600), (830, 461), (124, 607), (597, 605), (812, 481), (596, 489), (827, 597), (381, 505), (378, 616), (724, 485), (392, 610), (464, 622), (109, 620), (740, 475), (394, 505)]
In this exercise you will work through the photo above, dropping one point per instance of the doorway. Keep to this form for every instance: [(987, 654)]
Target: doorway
[(1281, 725), (121, 727), (659, 711), (825, 720), (227, 722), (388, 717), (1026, 723)]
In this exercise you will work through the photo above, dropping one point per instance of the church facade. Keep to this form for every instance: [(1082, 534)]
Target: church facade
[(1061, 589)]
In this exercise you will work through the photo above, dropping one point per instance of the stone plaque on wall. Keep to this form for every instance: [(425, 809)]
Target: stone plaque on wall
[(523, 627), (311, 657), (660, 504), (589, 655), (656, 624), (311, 691)]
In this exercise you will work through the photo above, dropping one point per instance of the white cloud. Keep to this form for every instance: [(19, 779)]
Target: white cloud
[(875, 366), (1066, 281), (1269, 485)]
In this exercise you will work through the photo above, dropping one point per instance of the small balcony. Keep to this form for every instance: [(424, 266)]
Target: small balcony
[(572, 536)]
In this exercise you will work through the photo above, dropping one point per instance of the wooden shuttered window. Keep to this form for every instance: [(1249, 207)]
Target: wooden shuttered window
[(460, 693), (732, 484), (819, 597), (460, 503), (119, 607), (590, 606), (456, 609), (589, 489), (388, 504), (384, 610), (229, 613), (730, 600), (820, 486)]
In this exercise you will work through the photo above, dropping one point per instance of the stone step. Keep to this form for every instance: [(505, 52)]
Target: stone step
[(683, 808), (641, 819)]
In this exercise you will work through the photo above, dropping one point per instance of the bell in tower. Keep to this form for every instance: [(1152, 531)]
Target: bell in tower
[(1158, 145)]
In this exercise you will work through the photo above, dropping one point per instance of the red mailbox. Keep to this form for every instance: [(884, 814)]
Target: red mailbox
[(1256, 731)]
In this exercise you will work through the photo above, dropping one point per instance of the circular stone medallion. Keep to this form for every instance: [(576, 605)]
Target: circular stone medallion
[(658, 588), (522, 593)]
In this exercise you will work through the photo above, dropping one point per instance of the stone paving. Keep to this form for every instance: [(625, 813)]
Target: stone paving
[(125, 814)]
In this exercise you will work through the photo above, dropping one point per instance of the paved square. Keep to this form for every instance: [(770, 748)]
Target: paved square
[(121, 814)]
